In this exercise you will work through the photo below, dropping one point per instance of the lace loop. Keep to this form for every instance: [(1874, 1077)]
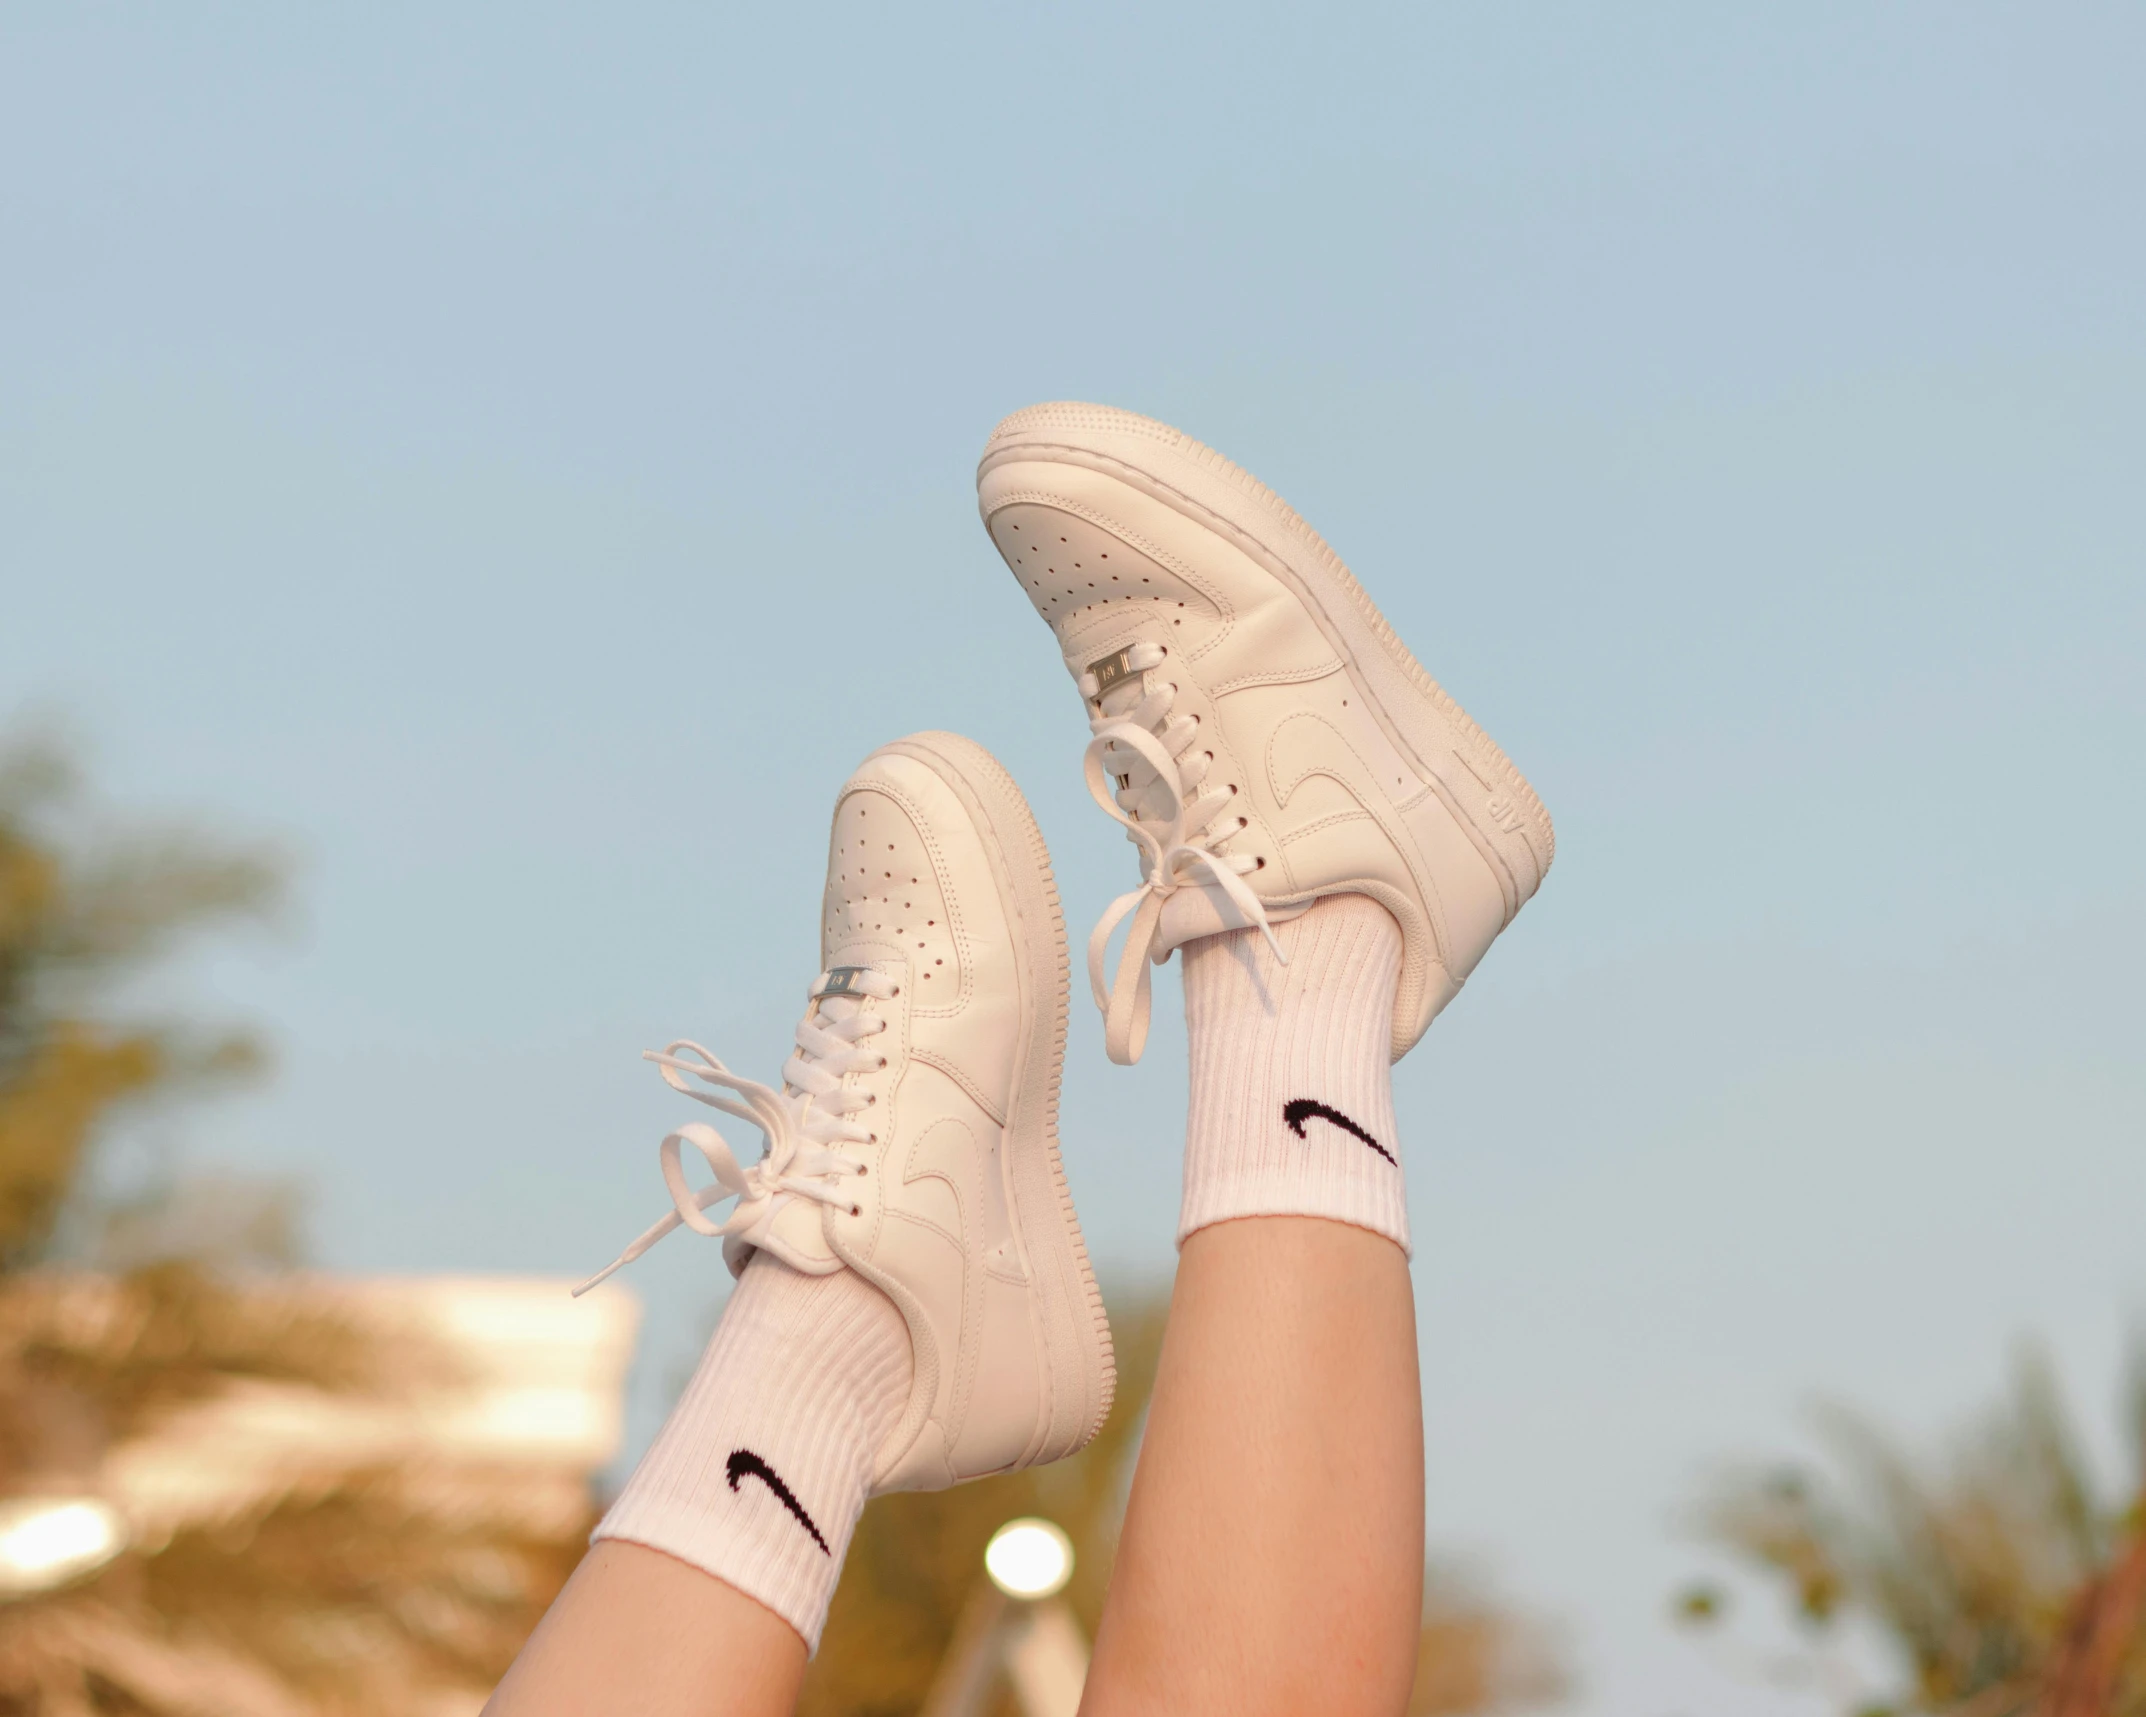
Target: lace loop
[(1138, 771), (804, 1123)]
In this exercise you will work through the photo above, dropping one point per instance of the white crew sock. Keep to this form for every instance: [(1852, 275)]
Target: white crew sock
[(805, 1377), (1284, 1060)]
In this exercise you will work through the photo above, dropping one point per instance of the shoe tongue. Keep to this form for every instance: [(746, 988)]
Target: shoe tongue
[(850, 970), (833, 1007)]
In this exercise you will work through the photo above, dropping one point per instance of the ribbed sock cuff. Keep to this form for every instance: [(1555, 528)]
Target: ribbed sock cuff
[(760, 1473), (1292, 1092)]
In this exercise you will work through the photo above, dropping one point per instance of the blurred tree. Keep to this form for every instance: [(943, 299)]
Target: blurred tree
[(85, 912), (334, 1589), (337, 1586), (917, 1558), (2006, 1583)]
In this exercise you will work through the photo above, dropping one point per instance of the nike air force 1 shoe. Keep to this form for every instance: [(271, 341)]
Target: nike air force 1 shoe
[(1258, 728), (915, 1138)]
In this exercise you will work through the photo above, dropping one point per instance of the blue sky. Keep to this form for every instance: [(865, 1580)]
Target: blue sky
[(520, 459)]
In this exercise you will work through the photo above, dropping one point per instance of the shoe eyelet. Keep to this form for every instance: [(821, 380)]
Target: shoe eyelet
[(882, 1064), (871, 1100), (856, 1210), (1259, 864)]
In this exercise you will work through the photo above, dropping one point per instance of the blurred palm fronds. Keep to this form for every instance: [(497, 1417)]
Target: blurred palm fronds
[(310, 1535), (321, 1519), (85, 912), (2005, 1580)]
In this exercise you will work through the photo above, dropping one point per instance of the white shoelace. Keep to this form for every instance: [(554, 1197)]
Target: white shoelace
[(804, 1121), (1153, 760)]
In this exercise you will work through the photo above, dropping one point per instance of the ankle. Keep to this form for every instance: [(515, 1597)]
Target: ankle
[(761, 1471), (1291, 1108)]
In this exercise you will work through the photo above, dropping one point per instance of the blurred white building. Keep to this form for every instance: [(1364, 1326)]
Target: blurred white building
[(492, 1433), (526, 1409)]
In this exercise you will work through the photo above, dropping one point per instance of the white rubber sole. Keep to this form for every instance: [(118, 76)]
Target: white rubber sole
[(1082, 1365), (1505, 815)]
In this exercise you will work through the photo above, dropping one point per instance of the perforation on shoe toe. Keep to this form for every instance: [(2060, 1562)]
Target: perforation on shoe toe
[(882, 887), (1080, 576)]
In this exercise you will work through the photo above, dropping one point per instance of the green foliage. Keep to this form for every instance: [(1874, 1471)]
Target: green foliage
[(85, 911), (1986, 1575), (1700, 1603)]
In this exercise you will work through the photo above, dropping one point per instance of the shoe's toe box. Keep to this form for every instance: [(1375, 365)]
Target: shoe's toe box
[(911, 891)]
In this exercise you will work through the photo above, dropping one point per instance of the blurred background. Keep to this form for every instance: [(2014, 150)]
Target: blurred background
[(473, 481)]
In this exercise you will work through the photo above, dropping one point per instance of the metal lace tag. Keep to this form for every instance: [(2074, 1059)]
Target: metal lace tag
[(1113, 670), (843, 981)]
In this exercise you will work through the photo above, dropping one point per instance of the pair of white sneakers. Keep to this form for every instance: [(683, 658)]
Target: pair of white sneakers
[(1264, 739)]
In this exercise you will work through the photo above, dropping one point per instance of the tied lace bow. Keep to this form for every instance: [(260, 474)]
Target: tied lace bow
[(1149, 756), (803, 1122)]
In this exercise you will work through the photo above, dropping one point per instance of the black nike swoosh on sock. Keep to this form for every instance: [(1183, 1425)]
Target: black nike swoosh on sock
[(743, 1463), (1298, 1110)]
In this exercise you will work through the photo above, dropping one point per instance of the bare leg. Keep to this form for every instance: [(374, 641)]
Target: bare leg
[(639, 1634), (1272, 1558)]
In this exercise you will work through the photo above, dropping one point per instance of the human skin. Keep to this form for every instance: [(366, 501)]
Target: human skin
[(637, 1633), (1272, 1555)]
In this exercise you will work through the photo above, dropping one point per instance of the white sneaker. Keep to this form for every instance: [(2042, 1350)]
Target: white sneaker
[(915, 1139), (1267, 737)]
